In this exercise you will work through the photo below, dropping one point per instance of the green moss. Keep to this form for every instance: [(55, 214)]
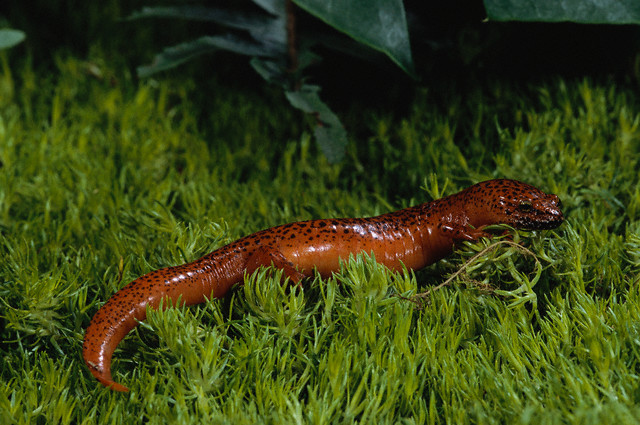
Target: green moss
[(103, 180)]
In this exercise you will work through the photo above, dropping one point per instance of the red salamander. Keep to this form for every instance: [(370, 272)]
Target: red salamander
[(416, 237)]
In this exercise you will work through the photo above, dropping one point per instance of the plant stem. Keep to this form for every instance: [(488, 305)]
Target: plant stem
[(292, 40)]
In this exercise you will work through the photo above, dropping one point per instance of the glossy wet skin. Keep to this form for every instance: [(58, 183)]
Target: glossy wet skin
[(414, 237)]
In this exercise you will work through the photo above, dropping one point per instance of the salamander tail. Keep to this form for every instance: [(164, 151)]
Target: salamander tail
[(97, 352), (106, 380)]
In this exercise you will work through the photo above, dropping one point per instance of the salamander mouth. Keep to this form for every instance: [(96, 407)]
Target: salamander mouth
[(542, 213), (551, 223), (541, 220)]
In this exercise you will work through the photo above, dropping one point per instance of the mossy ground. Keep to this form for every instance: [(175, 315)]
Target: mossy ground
[(103, 179)]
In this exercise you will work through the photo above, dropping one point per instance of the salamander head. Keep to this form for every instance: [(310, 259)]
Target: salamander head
[(512, 202)]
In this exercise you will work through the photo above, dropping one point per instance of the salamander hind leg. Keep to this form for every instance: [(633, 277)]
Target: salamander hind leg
[(267, 256)]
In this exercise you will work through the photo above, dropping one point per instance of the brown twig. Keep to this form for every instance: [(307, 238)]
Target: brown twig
[(292, 40)]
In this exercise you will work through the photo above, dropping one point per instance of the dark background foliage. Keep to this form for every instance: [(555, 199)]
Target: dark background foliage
[(448, 39)]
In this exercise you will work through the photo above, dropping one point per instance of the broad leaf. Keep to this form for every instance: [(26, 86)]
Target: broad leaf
[(582, 11), (275, 7), (173, 56), (264, 28), (9, 38), (272, 71), (380, 24), (227, 17), (329, 132)]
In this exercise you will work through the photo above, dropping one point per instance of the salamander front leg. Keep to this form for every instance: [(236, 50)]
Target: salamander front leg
[(266, 257), (457, 232)]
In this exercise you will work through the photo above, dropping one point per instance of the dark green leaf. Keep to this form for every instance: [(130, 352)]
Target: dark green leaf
[(582, 11), (227, 17), (332, 138), (380, 24), (174, 56), (9, 38), (266, 29), (270, 70), (275, 7), (330, 134)]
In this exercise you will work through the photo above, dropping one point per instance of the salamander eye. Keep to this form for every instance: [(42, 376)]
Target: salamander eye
[(525, 206)]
